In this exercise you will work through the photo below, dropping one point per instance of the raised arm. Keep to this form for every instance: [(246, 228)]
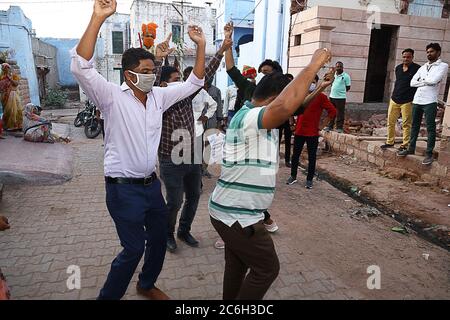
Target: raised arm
[(163, 50), (327, 81), (196, 34), (82, 66), (195, 82), (102, 10), (214, 64), (285, 105)]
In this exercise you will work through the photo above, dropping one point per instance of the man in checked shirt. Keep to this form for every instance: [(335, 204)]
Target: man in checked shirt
[(181, 163)]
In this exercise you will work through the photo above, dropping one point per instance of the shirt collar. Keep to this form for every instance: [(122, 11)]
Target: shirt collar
[(248, 104), (125, 87), (436, 63)]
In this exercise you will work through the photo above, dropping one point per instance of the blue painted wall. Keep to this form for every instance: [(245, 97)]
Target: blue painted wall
[(238, 9), (15, 34), (63, 57)]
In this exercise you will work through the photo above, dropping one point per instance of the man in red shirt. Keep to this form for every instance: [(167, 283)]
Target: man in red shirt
[(307, 130)]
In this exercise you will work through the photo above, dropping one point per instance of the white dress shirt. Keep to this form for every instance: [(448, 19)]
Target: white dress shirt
[(133, 132), (202, 100), (428, 79), (230, 100)]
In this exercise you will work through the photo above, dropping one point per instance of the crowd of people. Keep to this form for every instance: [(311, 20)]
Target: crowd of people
[(160, 115)]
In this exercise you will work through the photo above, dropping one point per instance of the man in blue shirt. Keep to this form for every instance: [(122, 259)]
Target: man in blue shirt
[(338, 96)]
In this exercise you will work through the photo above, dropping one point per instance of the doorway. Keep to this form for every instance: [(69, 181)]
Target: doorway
[(377, 68)]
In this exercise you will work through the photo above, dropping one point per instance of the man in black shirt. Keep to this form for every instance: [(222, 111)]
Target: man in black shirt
[(401, 100)]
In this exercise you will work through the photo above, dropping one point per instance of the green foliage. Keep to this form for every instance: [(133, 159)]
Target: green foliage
[(55, 97)]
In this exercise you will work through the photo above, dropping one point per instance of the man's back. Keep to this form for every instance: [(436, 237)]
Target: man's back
[(247, 183)]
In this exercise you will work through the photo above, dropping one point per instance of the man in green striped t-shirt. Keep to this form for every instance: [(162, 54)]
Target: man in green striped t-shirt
[(246, 186)]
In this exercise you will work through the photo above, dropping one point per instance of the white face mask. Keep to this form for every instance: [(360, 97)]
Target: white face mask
[(312, 87), (144, 82)]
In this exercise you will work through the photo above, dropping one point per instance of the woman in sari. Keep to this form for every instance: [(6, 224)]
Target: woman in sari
[(10, 98), (37, 128)]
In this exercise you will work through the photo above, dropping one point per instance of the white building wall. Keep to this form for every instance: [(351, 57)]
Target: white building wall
[(108, 63), (271, 34), (221, 75), (165, 15)]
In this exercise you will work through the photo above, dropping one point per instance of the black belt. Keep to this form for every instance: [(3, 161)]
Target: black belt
[(145, 181)]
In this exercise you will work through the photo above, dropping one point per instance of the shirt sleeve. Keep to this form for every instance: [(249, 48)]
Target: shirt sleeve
[(417, 80), (241, 82), (437, 76), (173, 94), (212, 105), (91, 82), (212, 67), (253, 119), (348, 80)]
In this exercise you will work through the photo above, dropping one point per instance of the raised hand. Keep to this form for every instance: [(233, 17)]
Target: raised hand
[(226, 45), (328, 78), (163, 49), (196, 34), (321, 57), (228, 30), (104, 8)]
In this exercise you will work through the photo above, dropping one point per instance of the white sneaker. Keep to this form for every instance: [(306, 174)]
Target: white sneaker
[(271, 227), (219, 244)]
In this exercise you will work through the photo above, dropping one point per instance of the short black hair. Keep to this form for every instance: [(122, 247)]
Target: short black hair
[(340, 62), (275, 65), (316, 78), (408, 50), (2, 60), (271, 85), (187, 71), (131, 58), (166, 72), (435, 46), (290, 76)]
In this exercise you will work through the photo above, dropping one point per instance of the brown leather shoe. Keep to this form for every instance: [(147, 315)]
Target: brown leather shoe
[(152, 294)]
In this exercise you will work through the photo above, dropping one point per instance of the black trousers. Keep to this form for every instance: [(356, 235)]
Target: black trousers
[(340, 107), (286, 128), (312, 143)]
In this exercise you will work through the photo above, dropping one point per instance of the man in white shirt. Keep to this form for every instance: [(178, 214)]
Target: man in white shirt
[(133, 112), (428, 81), (204, 108), (203, 101), (228, 103)]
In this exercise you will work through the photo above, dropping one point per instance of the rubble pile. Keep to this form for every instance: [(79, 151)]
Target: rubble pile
[(377, 126)]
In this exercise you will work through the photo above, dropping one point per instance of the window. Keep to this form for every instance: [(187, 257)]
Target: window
[(176, 33), (298, 40), (117, 42)]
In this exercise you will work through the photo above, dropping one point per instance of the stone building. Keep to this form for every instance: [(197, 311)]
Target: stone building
[(369, 37)]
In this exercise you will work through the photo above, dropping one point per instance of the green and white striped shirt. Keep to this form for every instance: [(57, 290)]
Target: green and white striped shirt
[(246, 186)]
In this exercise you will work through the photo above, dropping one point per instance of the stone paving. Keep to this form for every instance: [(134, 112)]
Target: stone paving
[(323, 252)]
